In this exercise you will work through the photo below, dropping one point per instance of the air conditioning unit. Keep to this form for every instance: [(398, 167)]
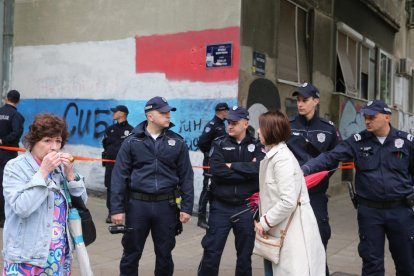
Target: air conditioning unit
[(404, 67)]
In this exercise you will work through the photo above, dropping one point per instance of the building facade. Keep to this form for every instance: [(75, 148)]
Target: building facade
[(79, 58)]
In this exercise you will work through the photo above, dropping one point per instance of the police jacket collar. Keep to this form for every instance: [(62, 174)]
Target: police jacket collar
[(217, 119), (365, 134), (10, 105), (141, 128), (124, 123), (304, 121), (247, 139)]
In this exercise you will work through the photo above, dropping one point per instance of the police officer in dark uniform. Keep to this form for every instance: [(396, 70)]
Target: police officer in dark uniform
[(312, 135), (234, 162), (384, 164), (213, 129), (114, 136), (11, 129), (152, 170)]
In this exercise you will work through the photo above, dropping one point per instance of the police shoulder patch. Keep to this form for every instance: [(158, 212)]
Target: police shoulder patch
[(405, 135), (211, 123), (327, 121), (171, 134), (357, 137), (219, 137)]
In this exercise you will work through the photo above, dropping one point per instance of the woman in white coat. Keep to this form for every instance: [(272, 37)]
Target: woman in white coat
[(282, 187)]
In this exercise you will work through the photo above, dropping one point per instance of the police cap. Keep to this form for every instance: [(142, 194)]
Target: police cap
[(307, 90), (222, 106), (236, 113), (375, 106), (121, 108), (160, 104)]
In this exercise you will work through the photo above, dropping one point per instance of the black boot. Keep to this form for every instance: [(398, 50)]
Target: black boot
[(108, 219), (202, 221)]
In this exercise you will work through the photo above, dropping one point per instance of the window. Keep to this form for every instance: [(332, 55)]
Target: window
[(386, 77), (356, 64), (293, 63)]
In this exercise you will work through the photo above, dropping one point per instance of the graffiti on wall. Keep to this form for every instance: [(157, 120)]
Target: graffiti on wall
[(351, 120), (88, 119), (405, 122)]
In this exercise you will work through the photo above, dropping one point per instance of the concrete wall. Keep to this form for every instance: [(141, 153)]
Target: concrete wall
[(79, 58)]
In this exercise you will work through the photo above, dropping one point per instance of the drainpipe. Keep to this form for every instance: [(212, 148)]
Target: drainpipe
[(6, 13)]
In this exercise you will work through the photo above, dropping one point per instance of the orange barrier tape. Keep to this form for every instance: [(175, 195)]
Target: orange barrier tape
[(345, 165), (12, 148)]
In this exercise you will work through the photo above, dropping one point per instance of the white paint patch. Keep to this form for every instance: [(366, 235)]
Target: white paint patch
[(254, 111), (99, 70)]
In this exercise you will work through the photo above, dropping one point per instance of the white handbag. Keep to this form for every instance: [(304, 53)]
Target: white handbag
[(268, 246)]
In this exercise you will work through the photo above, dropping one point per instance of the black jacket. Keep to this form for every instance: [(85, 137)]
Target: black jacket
[(213, 129), (11, 129), (152, 166), (311, 138), (235, 184), (114, 136)]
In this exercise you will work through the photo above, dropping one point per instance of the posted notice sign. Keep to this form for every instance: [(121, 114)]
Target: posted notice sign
[(218, 55)]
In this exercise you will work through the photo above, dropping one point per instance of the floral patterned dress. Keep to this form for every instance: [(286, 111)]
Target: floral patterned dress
[(58, 261)]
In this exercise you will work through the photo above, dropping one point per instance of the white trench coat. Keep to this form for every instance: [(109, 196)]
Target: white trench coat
[(281, 181)]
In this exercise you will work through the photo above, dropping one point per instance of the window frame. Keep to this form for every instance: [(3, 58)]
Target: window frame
[(352, 70), (392, 76), (298, 80)]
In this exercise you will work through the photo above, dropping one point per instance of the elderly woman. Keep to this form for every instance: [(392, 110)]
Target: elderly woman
[(35, 236), (282, 188)]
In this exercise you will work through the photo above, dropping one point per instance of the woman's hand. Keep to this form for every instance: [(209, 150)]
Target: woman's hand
[(259, 228), (67, 161), (50, 162)]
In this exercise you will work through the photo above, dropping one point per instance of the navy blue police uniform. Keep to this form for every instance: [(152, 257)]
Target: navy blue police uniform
[(213, 129), (310, 138), (114, 136), (307, 141), (383, 180), (230, 189), (147, 174), (11, 129)]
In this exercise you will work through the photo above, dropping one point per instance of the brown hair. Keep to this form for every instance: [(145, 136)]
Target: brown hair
[(46, 125), (274, 127)]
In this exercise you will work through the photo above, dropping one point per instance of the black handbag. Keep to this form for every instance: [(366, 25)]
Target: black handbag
[(88, 226)]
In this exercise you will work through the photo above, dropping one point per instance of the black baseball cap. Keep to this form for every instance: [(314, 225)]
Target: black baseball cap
[(122, 108), (307, 90), (160, 104), (221, 106), (375, 106), (236, 113)]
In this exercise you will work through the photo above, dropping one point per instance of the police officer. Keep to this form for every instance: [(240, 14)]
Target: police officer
[(213, 129), (234, 162), (11, 129), (312, 135), (152, 164), (384, 164), (114, 136)]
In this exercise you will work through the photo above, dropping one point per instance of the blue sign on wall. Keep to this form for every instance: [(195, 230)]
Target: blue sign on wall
[(218, 55)]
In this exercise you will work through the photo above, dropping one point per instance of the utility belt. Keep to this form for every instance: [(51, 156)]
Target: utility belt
[(233, 201), (152, 197), (382, 204)]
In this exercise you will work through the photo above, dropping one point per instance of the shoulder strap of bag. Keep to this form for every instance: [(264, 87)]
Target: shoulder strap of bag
[(66, 189), (284, 232)]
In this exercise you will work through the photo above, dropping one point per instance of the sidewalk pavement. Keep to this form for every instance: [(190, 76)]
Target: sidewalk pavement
[(105, 252)]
